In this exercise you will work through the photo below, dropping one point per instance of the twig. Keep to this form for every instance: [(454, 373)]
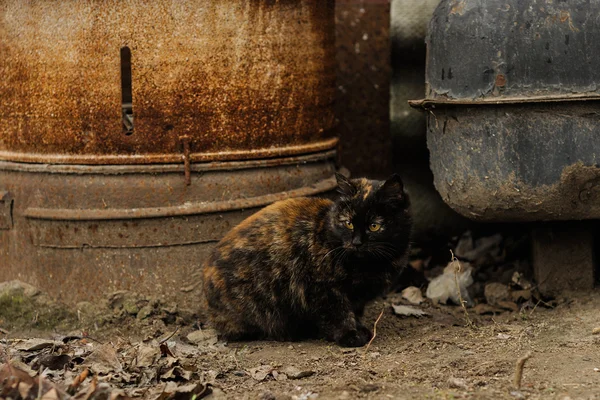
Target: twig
[(169, 337), (458, 269), (39, 396), (237, 364), (519, 369), (92, 339), (374, 330)]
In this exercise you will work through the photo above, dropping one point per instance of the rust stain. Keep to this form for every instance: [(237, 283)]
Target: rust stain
[(232, 75), (500, 80), (250, 84), (562, 16), (458, 7)]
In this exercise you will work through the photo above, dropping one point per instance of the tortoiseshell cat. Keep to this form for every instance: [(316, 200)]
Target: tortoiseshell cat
[(306, 267)]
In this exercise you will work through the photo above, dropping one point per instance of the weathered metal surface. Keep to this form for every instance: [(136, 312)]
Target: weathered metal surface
[(6, 203), (513, 122), (363, 82), (135, 134), (518, 162), (185, 209), (479, 49), (241, 79), (431, 104), (83, 231)]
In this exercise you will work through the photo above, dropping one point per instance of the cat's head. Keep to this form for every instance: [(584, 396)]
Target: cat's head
[(371, 217)]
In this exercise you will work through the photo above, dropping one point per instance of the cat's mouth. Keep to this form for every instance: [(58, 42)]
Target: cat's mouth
[(358, 251)]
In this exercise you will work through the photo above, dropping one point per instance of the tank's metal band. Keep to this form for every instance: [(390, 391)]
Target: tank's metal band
[(226, 155), (186, 209), (163, 168)]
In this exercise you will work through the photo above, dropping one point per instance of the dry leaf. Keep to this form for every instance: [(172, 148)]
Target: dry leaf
[(413, 295), (260, 373), (408, 311), (37, 344), (103, 360), (147, 355)]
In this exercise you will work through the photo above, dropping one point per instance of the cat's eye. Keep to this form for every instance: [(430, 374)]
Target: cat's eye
[(374, 227), (348, 224)]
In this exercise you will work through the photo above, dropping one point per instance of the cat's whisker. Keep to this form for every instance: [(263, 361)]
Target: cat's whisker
[(329, 252)]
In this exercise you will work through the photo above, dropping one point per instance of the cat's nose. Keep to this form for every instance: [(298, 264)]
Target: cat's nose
[(356, 241)]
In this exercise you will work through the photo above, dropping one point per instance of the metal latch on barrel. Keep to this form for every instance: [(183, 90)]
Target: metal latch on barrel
[(6, 205)]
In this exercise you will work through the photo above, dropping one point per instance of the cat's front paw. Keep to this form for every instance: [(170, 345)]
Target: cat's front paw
[(355, 338)]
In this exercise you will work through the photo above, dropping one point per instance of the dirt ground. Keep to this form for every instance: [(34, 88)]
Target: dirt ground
[(433, 357), (132, 346)]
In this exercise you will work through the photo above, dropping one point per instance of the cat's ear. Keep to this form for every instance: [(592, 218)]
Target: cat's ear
[(345, 187), (393, 189)]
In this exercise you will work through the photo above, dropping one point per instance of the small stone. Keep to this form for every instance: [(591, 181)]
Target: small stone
[(344, 395), (144, 312), (503, 336), (295, 373), (374, 354), (457, 383), (517, 394), (596, 331), (369, 387)]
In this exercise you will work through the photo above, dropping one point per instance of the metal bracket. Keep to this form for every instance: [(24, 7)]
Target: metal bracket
[(6, 205), (187, 165)]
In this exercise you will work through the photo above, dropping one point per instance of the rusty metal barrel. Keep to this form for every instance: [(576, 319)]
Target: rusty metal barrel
[(134, 134)]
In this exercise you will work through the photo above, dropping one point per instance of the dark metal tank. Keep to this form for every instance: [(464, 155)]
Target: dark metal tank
[(512, 101), (134, 134)]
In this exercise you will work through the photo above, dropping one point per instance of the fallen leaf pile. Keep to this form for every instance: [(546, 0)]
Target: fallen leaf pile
[(487, 274), (81, 368)]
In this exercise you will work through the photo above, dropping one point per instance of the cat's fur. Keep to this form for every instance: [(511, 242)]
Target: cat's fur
[(296, 269)]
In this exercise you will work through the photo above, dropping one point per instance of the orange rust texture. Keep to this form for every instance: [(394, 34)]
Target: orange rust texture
[(232, 75)]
